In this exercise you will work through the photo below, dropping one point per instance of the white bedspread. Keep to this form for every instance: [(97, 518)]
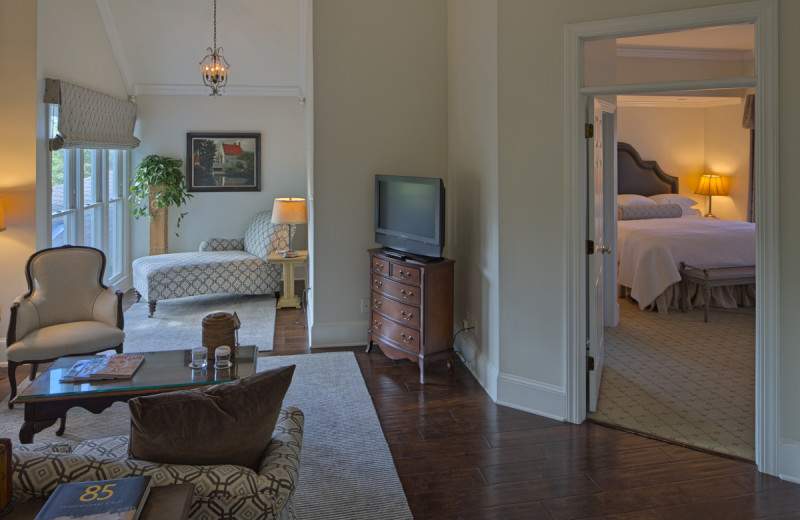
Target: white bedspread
[(650, 250)]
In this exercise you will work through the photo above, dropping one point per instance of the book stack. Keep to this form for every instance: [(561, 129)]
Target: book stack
[(118, 366), (119, 499)]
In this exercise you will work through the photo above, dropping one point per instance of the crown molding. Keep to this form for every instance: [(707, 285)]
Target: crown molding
[(675, 53), (676, 102), (201, 90)]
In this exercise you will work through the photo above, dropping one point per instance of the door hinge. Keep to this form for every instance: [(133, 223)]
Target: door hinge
[(589, 130), (590, 247), (590, 363)]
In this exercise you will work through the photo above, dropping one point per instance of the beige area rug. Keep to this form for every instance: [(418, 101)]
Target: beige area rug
[(178, 324), (346, 468), (679, 378)]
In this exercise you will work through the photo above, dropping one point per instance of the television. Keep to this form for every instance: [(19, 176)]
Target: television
[(409, 215)]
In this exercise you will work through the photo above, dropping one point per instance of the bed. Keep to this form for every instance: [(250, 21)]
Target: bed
[(657, 229)]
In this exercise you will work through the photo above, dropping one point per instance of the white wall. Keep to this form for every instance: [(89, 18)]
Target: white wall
[(380, 106), (18, 149), (472, 146), (162, 124), (687, 142)]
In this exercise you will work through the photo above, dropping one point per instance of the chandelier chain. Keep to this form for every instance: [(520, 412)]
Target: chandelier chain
[(215, 26)]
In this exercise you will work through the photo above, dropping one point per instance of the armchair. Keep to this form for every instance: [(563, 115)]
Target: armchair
[(67, 310)]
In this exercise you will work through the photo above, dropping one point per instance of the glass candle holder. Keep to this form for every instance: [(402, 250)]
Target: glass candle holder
[(199, 358), (222, 357)]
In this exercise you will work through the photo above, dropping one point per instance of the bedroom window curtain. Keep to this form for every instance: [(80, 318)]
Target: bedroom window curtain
[(90, 119), (749, 121)]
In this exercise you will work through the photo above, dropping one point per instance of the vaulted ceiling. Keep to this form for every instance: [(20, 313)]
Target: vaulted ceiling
[(159, 44)]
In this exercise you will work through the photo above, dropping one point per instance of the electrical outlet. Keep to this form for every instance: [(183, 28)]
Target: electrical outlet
[(364, 305), (470, 323)]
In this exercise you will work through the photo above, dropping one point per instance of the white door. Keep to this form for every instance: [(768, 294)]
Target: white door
[(596, 250)]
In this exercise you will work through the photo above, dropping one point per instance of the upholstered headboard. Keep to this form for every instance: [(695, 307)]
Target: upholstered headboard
[(635, 175)]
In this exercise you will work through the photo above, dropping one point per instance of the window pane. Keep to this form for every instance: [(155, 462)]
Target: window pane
[(114, 252), (59, 196), (90, 187), (61, 235), (114, 174), (91, 227)]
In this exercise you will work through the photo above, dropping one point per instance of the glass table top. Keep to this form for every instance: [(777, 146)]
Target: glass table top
[(163, 369)]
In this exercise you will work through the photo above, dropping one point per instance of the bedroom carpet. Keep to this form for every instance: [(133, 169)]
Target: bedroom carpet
[(679, 378), (346, 468), (178, 324)]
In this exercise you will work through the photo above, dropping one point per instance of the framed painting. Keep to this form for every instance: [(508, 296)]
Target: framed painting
[(223, 162)]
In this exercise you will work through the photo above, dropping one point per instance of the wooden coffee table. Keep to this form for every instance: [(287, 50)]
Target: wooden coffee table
[(46, 400)]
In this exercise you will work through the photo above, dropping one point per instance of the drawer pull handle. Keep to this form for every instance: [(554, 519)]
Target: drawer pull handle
[(379, 266), (404, 274), (405, 294), (377, 323), (378, 284), (377, 303), (407, 339), (405, 316)]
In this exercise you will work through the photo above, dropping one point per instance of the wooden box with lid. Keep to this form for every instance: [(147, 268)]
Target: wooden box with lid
[(411, 309)]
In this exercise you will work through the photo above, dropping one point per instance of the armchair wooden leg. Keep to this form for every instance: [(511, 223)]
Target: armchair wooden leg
[(118, 348), (138, 295), (12, 381), (152, 307), (34, 368)]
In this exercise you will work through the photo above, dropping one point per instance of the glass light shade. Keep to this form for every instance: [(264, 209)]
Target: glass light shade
[(2, 218), (289, 210), (711, 185)]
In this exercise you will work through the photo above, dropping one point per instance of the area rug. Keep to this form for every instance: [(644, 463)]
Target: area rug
[(346, 468), (178, 324)]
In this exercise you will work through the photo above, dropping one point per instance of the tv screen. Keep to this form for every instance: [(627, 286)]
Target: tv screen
[(409, 214)]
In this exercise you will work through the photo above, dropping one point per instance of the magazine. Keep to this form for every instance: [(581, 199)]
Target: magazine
[(117, 366), (119, 499)]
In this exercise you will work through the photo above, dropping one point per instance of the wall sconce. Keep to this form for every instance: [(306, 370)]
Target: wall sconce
[(711, 185)]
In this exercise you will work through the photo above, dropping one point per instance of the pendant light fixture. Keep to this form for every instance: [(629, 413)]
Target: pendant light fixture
[(214, 66)]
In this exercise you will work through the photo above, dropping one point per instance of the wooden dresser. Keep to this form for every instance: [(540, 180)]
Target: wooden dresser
[(411, 309)]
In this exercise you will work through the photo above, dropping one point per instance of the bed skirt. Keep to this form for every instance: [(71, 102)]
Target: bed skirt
[(726, 297)]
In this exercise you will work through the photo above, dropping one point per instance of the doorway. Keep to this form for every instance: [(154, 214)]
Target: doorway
[(764, 16)]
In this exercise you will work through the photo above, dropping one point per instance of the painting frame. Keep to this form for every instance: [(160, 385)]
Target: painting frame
[(223, 161)]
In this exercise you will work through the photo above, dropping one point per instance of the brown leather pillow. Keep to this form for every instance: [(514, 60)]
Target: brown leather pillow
[(227, 423)]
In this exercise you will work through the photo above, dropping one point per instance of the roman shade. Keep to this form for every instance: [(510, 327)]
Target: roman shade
[(90, 119)]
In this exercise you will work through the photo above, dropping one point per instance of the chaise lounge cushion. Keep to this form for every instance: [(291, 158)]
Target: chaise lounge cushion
[(227, 423)]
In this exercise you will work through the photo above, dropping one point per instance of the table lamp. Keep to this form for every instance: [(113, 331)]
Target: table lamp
[(290, 211), (711, 185)]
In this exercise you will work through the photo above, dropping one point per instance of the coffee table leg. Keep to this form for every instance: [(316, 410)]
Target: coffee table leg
[(26, 433)]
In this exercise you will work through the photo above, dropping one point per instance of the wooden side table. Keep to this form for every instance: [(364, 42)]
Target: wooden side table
[(288, 298)]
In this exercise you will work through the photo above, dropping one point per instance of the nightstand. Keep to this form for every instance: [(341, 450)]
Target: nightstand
[(288, 298)]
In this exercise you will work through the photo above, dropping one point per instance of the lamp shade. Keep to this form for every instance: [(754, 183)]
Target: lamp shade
[(711, 185), (289, 210), (2, 218)]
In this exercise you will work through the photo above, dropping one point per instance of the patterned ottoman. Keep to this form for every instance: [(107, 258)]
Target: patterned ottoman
[(236, 266)]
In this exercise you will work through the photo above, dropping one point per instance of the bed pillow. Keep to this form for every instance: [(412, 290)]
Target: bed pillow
[(630, 199), (227, 423), (674, 198), (654, 211)]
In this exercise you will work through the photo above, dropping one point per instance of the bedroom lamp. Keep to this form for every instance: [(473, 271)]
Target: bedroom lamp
[(711, 185), (289, 211)]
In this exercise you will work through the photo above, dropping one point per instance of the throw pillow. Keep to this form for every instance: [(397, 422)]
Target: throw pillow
[(227, 423)]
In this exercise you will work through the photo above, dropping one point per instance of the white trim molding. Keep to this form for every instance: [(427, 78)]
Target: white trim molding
[(789, 456), (676, 101), (479, 365), (674, 53), (202, 90), (764, 14), (532, 396)]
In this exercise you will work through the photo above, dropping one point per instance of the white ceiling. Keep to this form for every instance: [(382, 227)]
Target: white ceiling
[(159, 44)]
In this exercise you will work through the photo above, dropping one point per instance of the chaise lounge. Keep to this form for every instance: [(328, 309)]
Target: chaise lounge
[(234, 266)]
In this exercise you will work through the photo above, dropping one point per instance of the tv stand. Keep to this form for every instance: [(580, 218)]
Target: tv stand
[(411, 311)]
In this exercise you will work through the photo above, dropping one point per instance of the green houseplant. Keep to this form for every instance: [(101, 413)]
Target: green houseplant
[(158, 183)]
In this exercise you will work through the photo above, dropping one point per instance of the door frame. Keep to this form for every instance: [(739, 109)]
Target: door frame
[(764, 15)]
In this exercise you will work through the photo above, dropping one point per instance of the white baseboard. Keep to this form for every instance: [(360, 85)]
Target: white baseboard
[(532, 396), (341, 334), (789, 460), (480, 366)]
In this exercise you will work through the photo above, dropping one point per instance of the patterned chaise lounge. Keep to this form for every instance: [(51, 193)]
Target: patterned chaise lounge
[(220, 491), (237, 266)]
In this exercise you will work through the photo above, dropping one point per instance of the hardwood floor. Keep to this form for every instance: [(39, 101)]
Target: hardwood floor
[(459, 455)]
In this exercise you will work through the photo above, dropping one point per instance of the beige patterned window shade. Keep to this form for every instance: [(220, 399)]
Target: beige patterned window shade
[(89, 119)]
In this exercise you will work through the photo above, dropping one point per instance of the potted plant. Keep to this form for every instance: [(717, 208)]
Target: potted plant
[(157, 184)]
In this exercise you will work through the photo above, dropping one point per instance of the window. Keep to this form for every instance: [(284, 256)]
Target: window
[(87, 200)]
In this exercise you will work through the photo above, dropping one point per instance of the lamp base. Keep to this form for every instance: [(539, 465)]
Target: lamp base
[(287, 253), (709, 215)]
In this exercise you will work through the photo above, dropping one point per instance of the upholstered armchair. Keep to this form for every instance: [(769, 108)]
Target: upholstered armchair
[(67, 310)]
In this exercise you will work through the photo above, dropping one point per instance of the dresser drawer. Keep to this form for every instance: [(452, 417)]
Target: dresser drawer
[(380, 266), (405, 273), (407, 338), (405, 314), (399, 291)]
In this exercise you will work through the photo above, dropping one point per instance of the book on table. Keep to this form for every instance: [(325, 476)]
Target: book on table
[(118, 499), (117, 366)]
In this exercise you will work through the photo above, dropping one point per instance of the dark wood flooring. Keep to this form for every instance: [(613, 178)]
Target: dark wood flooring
[(461, 456)]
